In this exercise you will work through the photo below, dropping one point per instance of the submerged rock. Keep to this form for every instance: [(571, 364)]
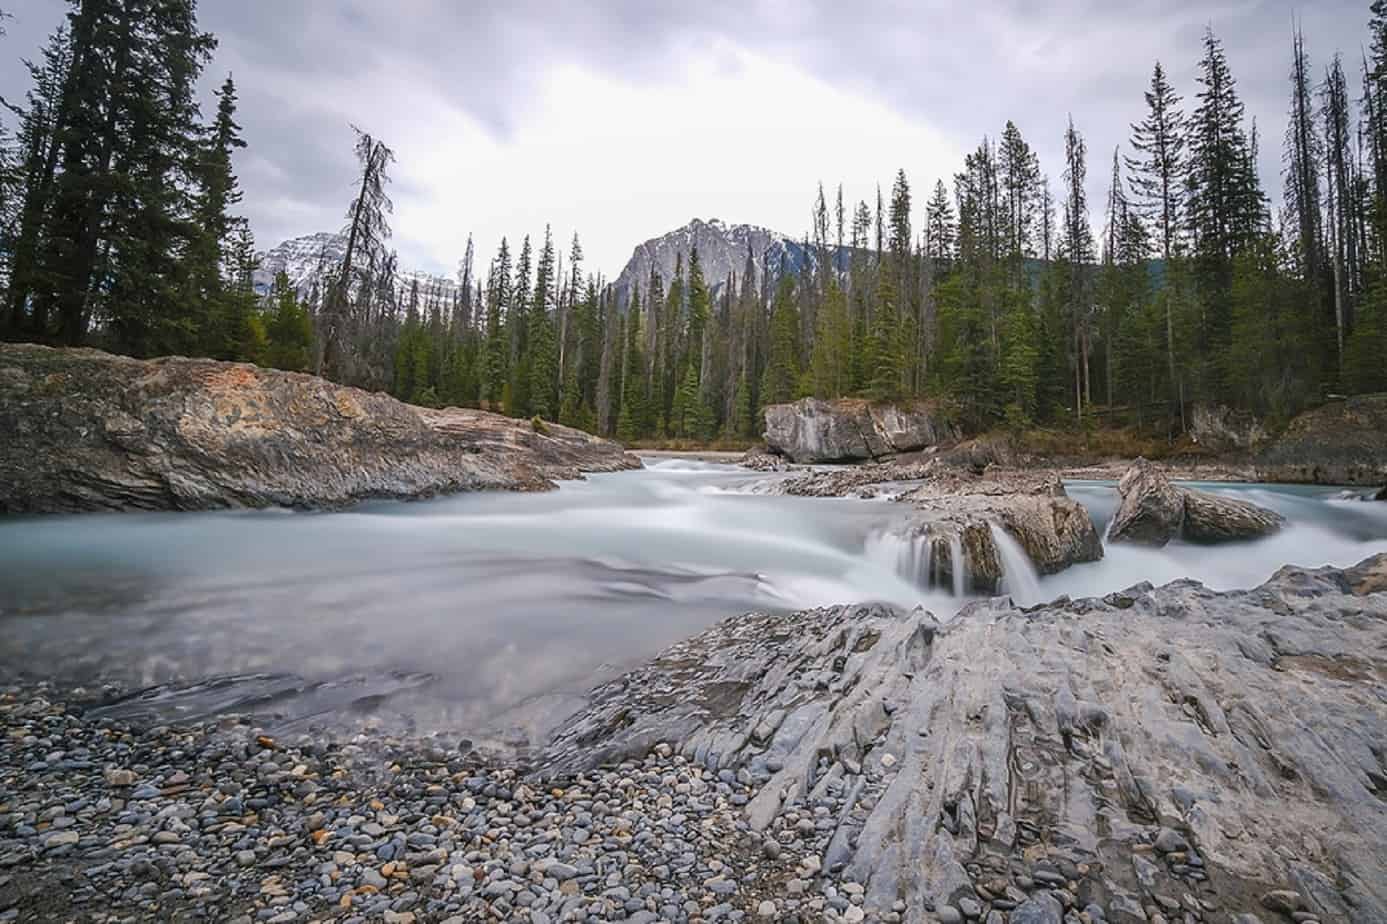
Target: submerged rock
[(1153, 512), (86, 430), (851, 429), (1008, 751), (1343, 442)]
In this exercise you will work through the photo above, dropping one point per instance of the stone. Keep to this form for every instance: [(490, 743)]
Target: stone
[(851, 429), (766, 909), (180, 434), (120, 778), (1039, 908), (948, 914), (1223, 429), (1169, 840), (1151, 509), (1285, 901)]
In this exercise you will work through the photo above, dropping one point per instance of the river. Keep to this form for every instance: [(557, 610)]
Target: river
[(454, 611)]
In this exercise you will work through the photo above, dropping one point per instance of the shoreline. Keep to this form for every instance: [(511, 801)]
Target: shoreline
[(680, 794)]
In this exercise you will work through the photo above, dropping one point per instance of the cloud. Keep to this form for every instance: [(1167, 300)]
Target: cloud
[(624, 118)]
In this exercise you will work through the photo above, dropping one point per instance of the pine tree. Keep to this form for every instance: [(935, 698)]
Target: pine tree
[(543, 353)]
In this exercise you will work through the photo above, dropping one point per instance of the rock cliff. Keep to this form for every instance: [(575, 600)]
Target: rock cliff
[(86, 430), (850, 429), (1157, 754)]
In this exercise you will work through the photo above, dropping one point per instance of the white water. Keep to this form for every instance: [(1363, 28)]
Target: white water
[(474, 603), (1019, 578)]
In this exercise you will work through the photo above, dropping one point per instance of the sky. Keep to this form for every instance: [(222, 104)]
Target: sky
[(623, 119)]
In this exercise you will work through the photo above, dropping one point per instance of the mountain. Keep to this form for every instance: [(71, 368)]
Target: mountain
[(722, 250), (304, 259)]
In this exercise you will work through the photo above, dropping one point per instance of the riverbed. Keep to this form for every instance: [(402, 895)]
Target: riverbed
[(459, 610)]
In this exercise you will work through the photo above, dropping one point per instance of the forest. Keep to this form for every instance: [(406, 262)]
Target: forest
[(1017, 303)]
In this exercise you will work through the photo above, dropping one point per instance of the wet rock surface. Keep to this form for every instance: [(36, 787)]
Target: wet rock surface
[(1153, 512), (851, 429), (86, 430), (1160, 754)]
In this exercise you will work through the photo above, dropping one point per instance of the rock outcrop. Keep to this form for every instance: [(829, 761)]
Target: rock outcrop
[(1222, 429), (1153, 512), (954, 514), (86, 430), (850, 429), (1155, 750), (1343, 442)]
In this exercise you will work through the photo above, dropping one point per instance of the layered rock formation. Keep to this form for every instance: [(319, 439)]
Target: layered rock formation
[(1343, 442), (86, 430), (1163, 751), (1153, 512), (851, 429), (956, 514)]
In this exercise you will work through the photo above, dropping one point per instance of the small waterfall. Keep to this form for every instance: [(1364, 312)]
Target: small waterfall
[(960, 564), (1019, 577), (907, 555)]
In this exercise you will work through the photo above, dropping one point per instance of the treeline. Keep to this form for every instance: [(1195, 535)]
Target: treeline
[(1012, 301)]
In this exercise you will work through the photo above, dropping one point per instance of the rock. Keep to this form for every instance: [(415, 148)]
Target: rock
[(955, 509), (766, 909), (85, 430), (1039, 908), (120, 778), (1153, 512), (948, 914), (761, 459), (1285, 901), (851, 429), (1169, 840), (1342, 442), (1381, 495), (1215, 518), (1241, 696), (1222, 429)]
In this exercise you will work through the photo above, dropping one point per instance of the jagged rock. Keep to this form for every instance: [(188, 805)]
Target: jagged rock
[(1152, 509), (1343, 442), (850, 429), (1250, 722), (1222, 429), (1153, 512), (86, 430)]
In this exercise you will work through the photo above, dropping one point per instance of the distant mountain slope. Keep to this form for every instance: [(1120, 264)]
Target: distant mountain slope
[(722, 251), (304, 259)]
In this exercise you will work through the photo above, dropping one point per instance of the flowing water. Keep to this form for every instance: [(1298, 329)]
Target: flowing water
[(460, 609)]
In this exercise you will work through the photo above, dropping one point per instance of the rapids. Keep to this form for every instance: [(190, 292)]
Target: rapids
[(456, 610)]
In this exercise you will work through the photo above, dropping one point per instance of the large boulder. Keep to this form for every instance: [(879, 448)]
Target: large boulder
[(1343, 442), (1153, 512), (849, 429), (86, 430), (1154, 743)]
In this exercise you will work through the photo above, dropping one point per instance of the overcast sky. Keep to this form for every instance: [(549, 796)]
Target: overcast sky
[(623, 119)]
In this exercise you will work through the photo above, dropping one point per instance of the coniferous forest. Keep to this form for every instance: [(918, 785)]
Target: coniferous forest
[(1018, 302)]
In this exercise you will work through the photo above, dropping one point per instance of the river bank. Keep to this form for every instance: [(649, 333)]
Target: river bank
[(853, 764)]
